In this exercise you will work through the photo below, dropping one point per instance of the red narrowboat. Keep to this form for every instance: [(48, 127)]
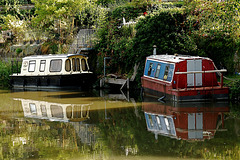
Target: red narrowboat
[(183, 78)]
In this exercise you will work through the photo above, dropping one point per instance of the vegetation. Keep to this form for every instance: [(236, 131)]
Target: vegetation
[(200, 27), (5, 2), (6, 68)]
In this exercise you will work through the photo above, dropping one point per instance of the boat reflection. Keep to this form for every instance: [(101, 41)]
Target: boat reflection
[(190, 121), (71, 109), (54, 111), (74, 114)]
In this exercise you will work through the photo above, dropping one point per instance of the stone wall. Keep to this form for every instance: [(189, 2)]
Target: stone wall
[(28, 49)]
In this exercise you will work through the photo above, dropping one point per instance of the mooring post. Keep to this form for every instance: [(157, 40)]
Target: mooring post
[(127, 83), (104, 72), (221, 80), (12, 66), (102, 80), (17, 67)]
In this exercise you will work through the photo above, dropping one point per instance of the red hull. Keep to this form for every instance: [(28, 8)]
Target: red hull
[(159, 89)]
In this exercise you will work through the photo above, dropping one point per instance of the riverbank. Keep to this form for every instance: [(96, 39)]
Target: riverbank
[(9, 66)]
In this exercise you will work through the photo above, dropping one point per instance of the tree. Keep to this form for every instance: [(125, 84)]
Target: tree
[(214, 25), (60, 18)]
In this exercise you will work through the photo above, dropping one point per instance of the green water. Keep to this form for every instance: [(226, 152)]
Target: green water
[(97, 125)]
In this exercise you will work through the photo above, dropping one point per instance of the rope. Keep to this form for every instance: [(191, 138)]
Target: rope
[(219, 74)]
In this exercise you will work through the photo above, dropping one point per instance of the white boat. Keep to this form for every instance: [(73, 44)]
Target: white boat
[(51, 71)]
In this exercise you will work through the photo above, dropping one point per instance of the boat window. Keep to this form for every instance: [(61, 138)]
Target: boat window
[(74, 64), (158, 70), (68, 65), (166, 72), (150, 69), (32, 65), (150, 120), (84, 64), (69, 111), (78, 64), (159, 123), (77, 112), (55, 65), (167, 123), (33, 108), (44, 110), (42, 65), (57, 111)]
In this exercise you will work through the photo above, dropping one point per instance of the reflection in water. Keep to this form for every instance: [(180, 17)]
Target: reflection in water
[(69, 125), (189, 121), (73, 113), (54, 111), (54, 108)]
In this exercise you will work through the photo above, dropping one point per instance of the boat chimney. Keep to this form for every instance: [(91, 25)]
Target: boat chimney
[(154, 50)]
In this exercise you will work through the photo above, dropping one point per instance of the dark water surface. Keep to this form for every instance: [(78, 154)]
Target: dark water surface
[(101, 126)]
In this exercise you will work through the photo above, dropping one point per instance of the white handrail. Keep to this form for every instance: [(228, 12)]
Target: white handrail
[(209, 71)]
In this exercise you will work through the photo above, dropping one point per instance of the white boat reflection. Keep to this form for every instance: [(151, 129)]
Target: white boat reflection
[(54, 111), (185, 121)]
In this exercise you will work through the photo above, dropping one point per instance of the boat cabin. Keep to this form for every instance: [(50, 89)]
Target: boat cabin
[(170, 73), (54, 64), (52, 70)]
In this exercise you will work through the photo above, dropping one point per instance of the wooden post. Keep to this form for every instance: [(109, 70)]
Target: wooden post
[(17, 67), (194, 75), (127, 83), (221, 80), (12, 66), (101, 82), (177, 85)]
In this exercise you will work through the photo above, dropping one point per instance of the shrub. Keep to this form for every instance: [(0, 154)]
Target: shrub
[(6, 68), (235, 90), (18, 51)]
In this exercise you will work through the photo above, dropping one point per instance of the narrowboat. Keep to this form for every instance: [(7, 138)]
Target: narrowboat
[(53, 71), (189, 121), (183, 78)]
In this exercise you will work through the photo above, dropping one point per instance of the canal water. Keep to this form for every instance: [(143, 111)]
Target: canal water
[(101, 125)]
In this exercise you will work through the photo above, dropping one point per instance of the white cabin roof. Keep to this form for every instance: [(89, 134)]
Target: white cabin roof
[(174, 58), (50, 56)]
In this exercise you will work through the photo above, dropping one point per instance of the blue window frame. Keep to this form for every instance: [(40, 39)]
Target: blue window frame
[(159, 70)]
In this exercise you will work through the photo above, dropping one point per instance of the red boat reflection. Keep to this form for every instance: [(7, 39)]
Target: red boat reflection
[(190, 121)]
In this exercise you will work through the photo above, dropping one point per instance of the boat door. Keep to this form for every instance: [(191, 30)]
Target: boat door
[(194, 65)]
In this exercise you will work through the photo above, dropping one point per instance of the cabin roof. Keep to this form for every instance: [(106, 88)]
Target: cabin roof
[(174, 58), (52, 56)]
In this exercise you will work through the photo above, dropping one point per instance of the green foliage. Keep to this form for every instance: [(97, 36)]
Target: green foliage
[(49, 47), (11, 2), (235, 90), (128, 11), (6, 69), (162, 30), (18, 51), (92, 15), (215, 29), (116, 43)]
